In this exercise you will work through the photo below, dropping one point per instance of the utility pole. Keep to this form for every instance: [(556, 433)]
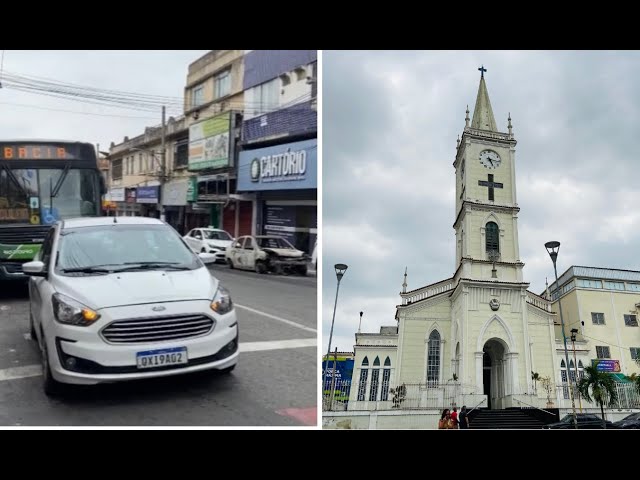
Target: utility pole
[(163, 164)]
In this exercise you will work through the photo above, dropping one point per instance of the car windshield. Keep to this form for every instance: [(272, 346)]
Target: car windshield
[(121, 246), (273, 242), (216, 235)]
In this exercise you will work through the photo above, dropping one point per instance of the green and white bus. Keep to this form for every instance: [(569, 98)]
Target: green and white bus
[(41, 182)]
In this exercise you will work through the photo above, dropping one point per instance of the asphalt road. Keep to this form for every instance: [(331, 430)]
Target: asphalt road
[(274, 384)]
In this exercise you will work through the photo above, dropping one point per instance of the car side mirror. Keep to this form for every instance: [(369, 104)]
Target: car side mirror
[(34, 269)]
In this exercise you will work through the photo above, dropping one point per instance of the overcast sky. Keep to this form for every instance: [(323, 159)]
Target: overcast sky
[(390, 121), (152, 72)]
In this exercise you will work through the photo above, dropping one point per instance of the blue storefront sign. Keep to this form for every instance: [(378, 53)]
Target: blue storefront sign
[(147, 195), (289, 166)]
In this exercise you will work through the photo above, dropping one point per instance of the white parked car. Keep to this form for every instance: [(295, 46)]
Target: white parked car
[(209, 240), (123, 298), (266, 253)]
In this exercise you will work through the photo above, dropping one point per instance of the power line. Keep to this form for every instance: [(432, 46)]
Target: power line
[(74, 111)]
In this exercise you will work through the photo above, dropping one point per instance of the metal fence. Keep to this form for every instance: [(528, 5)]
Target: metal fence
[(628, 396), (408, 396)]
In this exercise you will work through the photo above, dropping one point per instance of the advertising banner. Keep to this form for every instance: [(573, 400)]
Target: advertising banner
[(607, 365), (209, 143)]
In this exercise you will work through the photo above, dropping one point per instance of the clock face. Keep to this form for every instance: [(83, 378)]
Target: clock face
[(490, 159)]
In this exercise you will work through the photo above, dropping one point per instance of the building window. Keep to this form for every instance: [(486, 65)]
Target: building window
[(433, 358), (563, 377), (614, 285), (375, 374), (265, 97), (602, 352), (362, 386), (635, 353), (181, 153), (386, 374), (633, 287), (580, 370), (286, 79), (222, 84), (597, 318), (631, 320), (583, 282), (197, 96), (492, 237), (572, 370), (116, 169)]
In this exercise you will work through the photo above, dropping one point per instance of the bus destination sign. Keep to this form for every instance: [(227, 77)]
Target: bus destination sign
[(34, 152)]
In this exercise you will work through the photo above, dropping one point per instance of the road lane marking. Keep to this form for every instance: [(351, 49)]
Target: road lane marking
[(279, 319), (20, 372), (27, 371), (307, 416), (278, 345)]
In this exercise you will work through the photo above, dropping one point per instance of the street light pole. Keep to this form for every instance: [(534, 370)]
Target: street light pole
[(553, 248), (340, 269), (574, 331), (163, 164)]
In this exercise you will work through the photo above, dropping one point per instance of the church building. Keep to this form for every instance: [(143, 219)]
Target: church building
[(474, 338)]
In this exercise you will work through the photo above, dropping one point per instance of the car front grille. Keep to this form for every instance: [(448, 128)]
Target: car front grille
[(157, 329)]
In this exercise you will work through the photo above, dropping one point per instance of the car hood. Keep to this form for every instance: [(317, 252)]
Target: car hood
[(139, 287), (285, 252), (220, 243)]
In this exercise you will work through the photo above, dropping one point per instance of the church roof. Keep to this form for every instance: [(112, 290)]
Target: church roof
[(483, 114)]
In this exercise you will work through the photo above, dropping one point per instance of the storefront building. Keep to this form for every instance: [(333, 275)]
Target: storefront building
[(284, 180)]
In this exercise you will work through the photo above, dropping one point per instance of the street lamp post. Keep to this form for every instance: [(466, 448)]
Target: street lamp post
[(340, 269), (574, 331), (553, 248)]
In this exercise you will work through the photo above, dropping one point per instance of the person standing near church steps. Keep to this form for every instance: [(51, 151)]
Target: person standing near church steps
[(463, 419), (454, 418)]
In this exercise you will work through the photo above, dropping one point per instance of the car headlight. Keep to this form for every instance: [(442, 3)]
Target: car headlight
[(67, 310), (222, 303)]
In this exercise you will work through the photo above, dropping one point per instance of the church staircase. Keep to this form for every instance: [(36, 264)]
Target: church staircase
[(509, 419)]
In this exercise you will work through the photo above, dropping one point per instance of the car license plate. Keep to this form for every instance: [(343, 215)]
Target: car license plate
[(161, 358)]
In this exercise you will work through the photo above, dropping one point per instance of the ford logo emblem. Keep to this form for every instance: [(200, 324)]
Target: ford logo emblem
[(158, 309)]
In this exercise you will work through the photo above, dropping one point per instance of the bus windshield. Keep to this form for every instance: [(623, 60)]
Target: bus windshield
[(40, 196)]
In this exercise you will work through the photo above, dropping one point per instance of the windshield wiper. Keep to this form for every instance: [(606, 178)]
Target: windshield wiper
[(152, 265), (96, 269)]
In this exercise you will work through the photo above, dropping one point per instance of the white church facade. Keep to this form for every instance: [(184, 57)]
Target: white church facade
[(476, 337)]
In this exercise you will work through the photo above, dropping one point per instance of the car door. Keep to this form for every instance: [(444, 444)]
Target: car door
[(236, 252), (250, 252), (40, 289), (197, 240)]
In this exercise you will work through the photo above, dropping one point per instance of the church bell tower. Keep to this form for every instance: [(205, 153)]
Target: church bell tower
[(486, 207)]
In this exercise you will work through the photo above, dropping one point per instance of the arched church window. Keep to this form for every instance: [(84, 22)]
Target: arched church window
[(580, 370), (376, 362), (362, 385), (572, 370), (563, 378), (492, 234), (365, 362), (386, 375), (433, 358)]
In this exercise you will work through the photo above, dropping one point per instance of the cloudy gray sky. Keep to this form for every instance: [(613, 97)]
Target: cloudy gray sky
[(151, 72), (390, 121)]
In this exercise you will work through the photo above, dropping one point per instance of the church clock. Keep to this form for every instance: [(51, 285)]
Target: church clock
[(490, 159)]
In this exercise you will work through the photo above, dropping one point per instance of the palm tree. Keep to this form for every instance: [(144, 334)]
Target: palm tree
[(599, 387)]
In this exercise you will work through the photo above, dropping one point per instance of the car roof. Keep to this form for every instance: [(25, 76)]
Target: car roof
[(103, 221)]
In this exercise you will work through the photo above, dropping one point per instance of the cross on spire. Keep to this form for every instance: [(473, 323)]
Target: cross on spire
[(482, 70)]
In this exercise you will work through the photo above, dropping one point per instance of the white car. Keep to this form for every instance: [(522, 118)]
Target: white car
[(123, 298), (209, 240), (266, 253)]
